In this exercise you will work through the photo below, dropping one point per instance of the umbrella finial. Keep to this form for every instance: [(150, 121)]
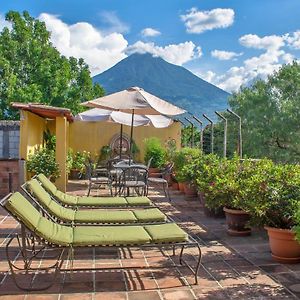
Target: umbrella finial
[(134, 89)]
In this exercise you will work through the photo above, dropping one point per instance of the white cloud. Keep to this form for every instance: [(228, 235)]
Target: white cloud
[(293, 39), (100, 50), (207, 76), (150, 32), (224, 55), (113, 22), (175, 53), (257, 66), (197, 21), (270, 42), (4, 23)]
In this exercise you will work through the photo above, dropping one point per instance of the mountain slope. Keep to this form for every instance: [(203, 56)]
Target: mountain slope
[(170, 82)]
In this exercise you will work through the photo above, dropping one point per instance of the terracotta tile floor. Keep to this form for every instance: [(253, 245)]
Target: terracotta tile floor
[(232, 268)]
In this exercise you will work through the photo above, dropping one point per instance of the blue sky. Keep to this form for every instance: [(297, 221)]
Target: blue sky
[(229, 43)]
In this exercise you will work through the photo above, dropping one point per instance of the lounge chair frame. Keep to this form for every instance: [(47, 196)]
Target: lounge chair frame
[(46, 213), (36, 241)]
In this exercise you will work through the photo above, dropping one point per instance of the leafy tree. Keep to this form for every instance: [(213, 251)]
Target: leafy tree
[(32, 70), (270, 112)]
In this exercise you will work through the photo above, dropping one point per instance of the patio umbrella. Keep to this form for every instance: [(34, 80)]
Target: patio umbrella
[(97, 114), (135, 100)]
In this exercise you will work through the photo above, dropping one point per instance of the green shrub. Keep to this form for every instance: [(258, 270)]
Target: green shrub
[(274, 195), (216, 179), (105, 153), (79, 160), (186, 161), (154, 149), (43, 161), (297, 220)]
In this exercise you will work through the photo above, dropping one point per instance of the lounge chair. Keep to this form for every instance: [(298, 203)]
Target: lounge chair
[(58, 213), (85, 201), (43, 231)]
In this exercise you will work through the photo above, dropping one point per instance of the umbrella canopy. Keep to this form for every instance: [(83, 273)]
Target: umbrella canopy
[(97, 114), (135, 98)]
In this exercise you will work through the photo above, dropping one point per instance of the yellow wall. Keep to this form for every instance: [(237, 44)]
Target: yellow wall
[(31, 133), (91, 136)]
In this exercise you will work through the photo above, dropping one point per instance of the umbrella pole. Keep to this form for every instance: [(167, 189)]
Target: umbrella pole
[(131, 137), (121, 139)]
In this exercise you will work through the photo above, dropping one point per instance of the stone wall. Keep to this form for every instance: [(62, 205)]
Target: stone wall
[(8, 166), (9, 139)]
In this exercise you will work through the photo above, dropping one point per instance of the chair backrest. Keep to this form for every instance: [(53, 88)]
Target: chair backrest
[(135, 174), (44, 200), (26, 214), (47, 184), (149, 162), (167, 170)]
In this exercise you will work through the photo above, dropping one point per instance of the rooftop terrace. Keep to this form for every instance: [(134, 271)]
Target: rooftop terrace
[(232, 268)]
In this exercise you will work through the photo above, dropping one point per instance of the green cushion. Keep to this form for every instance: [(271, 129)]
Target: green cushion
[(54, 233), (19, 206), (101, 201), (149, 215), (48, 185), (49, 204), (105, 216), (65, 198), (166, 233), (138, 201), (109, 235)]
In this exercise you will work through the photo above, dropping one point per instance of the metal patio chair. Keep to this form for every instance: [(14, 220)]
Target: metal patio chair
[(97, 177), (163, 179), (133, 178)]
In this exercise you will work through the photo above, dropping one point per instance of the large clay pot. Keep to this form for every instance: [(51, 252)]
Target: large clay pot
[(180, 185), (284, 247), (74, 174), (175, 186), (190, 190), (154, 172), (237, 221), (217, 212), (214, 213)]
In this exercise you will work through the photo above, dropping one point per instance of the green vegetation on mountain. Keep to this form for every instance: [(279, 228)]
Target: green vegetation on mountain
[(170, 82), (32, 70)]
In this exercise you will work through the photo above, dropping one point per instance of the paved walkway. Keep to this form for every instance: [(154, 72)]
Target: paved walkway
[(233, 268)]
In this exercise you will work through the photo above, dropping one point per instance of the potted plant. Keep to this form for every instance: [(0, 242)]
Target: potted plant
[(105, 153), (191, 160), (78, 164), (296, 228), (275, 209), (154, 150), (209, 168), (43, 161)]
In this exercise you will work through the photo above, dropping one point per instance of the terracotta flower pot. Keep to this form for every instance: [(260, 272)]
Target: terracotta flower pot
[(74, 174), (154, 172), (237, 221), (189, 190), (284, 247), (175, 186), (180, 185)]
